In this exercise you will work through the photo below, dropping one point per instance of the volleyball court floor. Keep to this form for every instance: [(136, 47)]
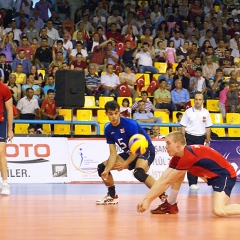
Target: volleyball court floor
[(69, 212)]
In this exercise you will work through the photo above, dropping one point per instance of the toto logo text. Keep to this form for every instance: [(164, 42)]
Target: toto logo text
[(27, 150)]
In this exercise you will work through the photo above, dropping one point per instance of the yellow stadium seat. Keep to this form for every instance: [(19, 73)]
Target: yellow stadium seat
[(102, 120), (140, 3), (236, 60), (89, 102), (21, 128), (83, 115), (120, 99), (102, 73), (43, 72), (146, 78), (174, 117), (61, 129), (103, 100), (46, 128), (174, 66), (192, 101), (156, 76), (162, 67), (163, 115), (212, 105), (138, 99), (164, 131), (217, 119), (233, 118), (66, 113), (216, 8)]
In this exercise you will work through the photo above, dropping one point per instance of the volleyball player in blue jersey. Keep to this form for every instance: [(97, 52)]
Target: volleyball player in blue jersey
[(119, 131)]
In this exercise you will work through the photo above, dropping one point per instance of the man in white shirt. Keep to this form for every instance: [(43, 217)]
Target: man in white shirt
[(115, 18), (128, 25), (236, 51), (78, 49), (109, 82), (209, 37), (234, 41), (52, 32), (23, 5), (17, 32), (67, 43), (178, 42), (145, 57)]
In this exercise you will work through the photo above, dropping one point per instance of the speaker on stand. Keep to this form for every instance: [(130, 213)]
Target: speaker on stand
[(70, 90)]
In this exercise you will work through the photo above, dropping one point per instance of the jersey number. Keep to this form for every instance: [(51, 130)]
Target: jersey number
[(122, 144)]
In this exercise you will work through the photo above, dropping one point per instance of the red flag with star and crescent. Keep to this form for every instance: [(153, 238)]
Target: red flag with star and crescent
[(120, 48), (124, 90), (153, 86), (140, 82)]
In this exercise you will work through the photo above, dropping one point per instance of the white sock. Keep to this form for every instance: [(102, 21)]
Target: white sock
[(172, 198), (4, 181)]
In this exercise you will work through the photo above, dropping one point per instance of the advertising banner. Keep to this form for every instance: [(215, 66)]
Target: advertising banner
[(38, 160)]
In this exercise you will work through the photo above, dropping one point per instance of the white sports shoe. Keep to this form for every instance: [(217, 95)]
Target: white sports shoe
[(5, 189), (108, 200), (194, 187)]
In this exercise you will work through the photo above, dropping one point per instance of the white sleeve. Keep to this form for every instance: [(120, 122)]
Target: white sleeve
[(184, 119), (209, 120)]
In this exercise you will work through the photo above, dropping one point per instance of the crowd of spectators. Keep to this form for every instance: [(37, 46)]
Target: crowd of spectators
[(112, 41)]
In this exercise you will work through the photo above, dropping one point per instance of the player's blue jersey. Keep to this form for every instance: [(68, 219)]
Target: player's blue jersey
[(123, 132)]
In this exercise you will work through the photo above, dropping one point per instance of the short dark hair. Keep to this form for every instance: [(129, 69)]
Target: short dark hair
[(2, 55), (144, 92), (59, 41), (111, 105), (28, 89), (219, 70), (30, 74), (162, 80), (198, 69), (50, 91), (178, 114)]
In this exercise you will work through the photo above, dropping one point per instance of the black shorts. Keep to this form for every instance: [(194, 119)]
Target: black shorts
[(222, 183), (3, 131), (149, 155)]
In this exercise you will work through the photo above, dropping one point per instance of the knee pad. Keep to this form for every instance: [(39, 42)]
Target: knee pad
[(101, 168), (140, 174)]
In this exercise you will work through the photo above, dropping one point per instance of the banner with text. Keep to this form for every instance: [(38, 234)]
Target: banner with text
[(38, 160)]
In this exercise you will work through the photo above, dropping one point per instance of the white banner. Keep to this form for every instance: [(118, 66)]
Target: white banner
[(38, 160), (86, 154)]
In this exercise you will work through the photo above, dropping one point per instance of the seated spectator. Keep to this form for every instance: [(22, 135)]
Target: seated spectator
[(95, 41), (112, 56), (182, 52), (184, 64), (49, 110), (234, 41), (25, 62), (32, 130), (81, 34), (93, 83), (125, 110), (7, 47), (159, 52), (223, 90), (99, 20), (170, 53), (179, 116), (162, 97), (28, 106), (20, 76), (44, 35), (209, 37), (168, 78), (52, 32), (68, 24), (214, 83), (15, 87), (63, 6), (180, 76), (43, 55), (25, 46), (233, 99), (160, 37), (198, 85), (79, 49), (87, 24), (109, 82), (114, 34), (60, 48), (227, 63), (209, 69), (147, 37), (6, 67), (65, 66), (145, 56), (196, 64), (50, 85), (180, 96), (30, 31), (15, 32), (58, 62), (142, 116), (115, 18), (210, 52), (38, 78), (148, 104), (38, 22), (129, 77), (234, 78), (127, 55), (79, 64), (220, 50), (57, 23), (178, 42), (236, 53), (156, 132), (42, 7)]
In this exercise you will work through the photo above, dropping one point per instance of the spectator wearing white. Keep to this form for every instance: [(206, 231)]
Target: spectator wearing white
[(67, 43), (52, 32), (145, 56), (17, 32), (209, 69), (87, 25), (129, 24), (236, 52), (156, 132), (99, 20), (115, 18), (178, 42), (79, 49), (23, 5), (209, 37), (234, 41), (15, 87), (109, 82), (129, 77), (111, 54)]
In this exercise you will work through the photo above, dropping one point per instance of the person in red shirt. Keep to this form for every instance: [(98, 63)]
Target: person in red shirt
[(49, 109), (114, 34), (201, 161), (79, 64), (6, 131), (26, 47)]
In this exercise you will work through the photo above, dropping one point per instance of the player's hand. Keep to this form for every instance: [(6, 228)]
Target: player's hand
[(120, 166), (10, 136), (143, 205), (104, 175)]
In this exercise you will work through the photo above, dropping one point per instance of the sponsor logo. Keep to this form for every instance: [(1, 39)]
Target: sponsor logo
[(59, 170)]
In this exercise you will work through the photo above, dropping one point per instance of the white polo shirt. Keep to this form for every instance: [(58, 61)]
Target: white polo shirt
[(110, 81), (25, 106), (53, 33), (196, 121), (144, 58), (83, 52)]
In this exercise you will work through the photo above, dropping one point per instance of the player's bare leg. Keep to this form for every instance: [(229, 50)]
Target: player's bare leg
[(220, 207), (3, 169)]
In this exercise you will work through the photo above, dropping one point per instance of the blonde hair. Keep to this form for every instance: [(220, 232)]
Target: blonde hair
[(177, 136)]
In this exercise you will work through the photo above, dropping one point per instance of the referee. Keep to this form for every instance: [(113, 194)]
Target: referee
[(196, 126)]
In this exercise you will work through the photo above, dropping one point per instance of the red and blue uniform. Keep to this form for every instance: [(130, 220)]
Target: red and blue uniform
[(5, 95), (205, 162)]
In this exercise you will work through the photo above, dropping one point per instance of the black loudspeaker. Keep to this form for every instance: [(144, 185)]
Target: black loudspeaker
[(70, 88)]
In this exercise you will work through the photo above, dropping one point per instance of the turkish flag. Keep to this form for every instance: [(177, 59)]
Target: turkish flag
[(117, 68), (187, 105), (153, 86), (140, 82), (96, 90), (123, 90), (120, 48)]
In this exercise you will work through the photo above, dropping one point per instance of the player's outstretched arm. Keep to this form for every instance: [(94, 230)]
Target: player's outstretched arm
[(159, 187)]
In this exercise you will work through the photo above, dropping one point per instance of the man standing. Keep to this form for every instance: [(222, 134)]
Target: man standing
[(6, 133), (196, 126)]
